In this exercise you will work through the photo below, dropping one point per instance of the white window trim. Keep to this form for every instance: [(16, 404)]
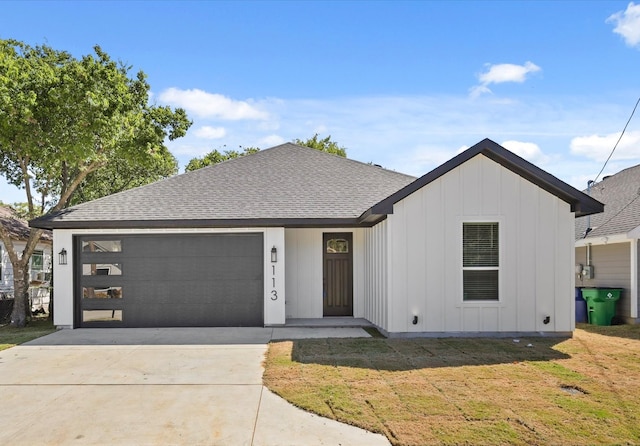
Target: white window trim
[(461, 268)]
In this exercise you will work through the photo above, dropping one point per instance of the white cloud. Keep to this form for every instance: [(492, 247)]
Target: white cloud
[(270, 141), (598, 147), (208, 132), (478, 90), (527, 150), (627, 24), (211, 105), (500, 73), (415, 134)]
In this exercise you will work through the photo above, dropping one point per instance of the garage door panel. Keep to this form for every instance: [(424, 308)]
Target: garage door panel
[(197, 268), (189, 315), (226, 245), (180, 280), (226, 291)]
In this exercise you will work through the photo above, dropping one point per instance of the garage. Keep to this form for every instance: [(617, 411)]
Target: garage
[(169, 280)]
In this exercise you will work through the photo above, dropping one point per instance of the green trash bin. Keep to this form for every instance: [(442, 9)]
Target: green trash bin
[(601, 304)]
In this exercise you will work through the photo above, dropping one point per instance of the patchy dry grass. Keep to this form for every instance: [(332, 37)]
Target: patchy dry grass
[(11, 336), (575, 391)]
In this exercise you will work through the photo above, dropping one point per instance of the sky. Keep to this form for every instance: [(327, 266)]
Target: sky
[(406, 85)]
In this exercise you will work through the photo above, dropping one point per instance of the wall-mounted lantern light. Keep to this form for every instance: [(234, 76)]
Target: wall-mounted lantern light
[(274, 255), (62, 257)]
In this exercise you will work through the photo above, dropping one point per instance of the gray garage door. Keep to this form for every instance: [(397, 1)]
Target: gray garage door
[(169, 280)]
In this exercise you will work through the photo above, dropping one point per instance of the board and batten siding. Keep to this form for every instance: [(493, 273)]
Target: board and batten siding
[(303, 279), (612, 268), (425, 255), (375, 274)]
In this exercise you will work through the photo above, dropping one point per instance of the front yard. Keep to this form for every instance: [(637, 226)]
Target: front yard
[(37, 327), (544, 391)]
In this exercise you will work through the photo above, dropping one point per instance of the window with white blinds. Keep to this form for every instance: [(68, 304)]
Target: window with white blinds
[(480, 260)]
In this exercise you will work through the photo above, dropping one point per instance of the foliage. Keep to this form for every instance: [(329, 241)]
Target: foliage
[(62, 119), (324, 145), (119, 175), (216, 157)]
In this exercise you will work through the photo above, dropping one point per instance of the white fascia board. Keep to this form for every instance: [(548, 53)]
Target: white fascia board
[(634, 233), (603, 240)]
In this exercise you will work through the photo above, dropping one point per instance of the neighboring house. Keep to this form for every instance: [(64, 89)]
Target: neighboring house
[(483, 244), (611, 246), (40, 266)]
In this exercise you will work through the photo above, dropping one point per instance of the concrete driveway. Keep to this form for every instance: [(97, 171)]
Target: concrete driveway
[(170, 386)]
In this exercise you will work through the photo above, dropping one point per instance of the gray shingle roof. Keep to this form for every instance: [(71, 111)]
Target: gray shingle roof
[(621, 195), (18, 228), (287, 184)]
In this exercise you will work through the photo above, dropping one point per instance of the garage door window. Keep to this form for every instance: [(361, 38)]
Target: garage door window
[(102, 269), (102, 316), (114, 292), (101, 246), (102, 278)]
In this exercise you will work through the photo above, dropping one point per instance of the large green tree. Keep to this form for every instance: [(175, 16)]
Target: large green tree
[(63, 119), (216, 156), (324, 145)]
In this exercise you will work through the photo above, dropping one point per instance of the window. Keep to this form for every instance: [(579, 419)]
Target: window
[(102, 246), (37, 261), (112, 292), (37, 266), (101, 269), (480, 261), (337, 245)]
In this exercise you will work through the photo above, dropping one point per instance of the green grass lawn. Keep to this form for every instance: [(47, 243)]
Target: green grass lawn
[(538, 391), (11, 336)]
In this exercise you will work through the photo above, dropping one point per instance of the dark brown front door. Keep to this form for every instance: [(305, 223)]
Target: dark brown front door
[(337, 274)]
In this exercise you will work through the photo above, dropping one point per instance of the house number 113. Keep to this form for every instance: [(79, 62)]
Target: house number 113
[(274, 293)]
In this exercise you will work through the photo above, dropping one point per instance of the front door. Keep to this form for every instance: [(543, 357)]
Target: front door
[(337, 276)]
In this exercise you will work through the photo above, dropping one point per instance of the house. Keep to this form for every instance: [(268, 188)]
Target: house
[(40, 267), (481, 244), (609, 249)]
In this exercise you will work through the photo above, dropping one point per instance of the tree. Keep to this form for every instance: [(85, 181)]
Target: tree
[(215, 157), (62, 119), (119, 175), (324, 145)]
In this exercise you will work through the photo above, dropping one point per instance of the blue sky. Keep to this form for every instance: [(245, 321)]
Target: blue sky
[(406, 85)]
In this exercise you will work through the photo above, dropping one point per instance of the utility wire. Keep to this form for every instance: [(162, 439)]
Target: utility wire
[(616, 145), (617, 213)]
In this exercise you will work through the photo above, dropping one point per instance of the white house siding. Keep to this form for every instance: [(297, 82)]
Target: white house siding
[(612, 268), (303, 281), (39, 294), (274, 310), (536, 254), (375, 274)]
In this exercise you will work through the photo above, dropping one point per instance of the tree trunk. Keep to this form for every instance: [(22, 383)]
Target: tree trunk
[(50, 309), (21, 309)]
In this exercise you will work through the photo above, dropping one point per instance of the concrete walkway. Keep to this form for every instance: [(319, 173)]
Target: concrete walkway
[(172, 386)]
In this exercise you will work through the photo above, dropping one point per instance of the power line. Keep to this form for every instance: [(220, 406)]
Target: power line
[(617, 142), (616, 214)]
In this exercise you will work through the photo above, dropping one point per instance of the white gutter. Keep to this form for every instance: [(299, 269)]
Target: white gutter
[(603, 240)]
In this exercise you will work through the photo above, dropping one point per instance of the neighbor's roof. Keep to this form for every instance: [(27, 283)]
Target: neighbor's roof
[(18, 228), (287, 185), (581, 203), (621, 195)]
